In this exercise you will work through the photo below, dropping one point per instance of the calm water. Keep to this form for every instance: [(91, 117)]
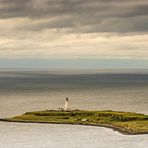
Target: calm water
[(22, 91)]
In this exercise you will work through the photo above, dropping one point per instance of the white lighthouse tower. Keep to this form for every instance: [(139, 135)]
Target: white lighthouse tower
[(66, 104)]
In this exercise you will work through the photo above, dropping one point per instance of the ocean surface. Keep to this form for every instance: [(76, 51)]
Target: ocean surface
[(27, 90)]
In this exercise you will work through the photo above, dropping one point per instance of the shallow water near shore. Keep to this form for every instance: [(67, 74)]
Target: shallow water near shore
[(22, 91), (22, 135)]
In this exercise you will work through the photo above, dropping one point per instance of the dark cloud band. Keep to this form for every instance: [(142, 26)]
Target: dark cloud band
[(82, 16)]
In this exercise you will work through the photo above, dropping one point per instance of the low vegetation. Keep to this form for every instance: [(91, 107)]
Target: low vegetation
[(124, 122)]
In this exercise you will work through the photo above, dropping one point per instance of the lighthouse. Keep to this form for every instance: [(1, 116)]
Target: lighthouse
[(66, 104)]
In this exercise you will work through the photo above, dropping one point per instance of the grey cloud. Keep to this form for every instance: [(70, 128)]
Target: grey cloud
[(82, 16), (57, 22)]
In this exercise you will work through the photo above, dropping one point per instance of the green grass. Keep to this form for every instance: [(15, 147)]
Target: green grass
[(125, 122)]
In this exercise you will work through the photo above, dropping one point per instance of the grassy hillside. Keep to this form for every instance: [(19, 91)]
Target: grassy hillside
[(125, 122)]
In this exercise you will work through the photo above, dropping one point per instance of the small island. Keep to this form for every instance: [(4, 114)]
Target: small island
[(124, 122)]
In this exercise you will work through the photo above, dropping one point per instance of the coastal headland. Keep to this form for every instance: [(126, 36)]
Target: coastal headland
[(123, 122)]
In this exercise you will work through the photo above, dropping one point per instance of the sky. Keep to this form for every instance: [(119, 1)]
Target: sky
[(74, 33)]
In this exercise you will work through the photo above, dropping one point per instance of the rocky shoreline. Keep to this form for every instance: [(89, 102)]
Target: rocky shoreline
[(115, 128)]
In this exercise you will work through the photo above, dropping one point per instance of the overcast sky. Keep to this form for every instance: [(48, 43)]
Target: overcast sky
[(74, 29)]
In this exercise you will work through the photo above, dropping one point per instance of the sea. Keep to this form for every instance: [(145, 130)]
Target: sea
[(23, 90)]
